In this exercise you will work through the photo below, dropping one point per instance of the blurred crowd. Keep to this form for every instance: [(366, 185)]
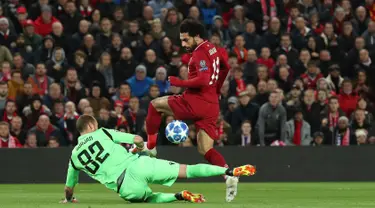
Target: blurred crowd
[(301, 70)]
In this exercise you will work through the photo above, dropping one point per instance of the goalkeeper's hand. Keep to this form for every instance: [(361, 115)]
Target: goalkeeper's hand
[(72, 200), (144, 150)]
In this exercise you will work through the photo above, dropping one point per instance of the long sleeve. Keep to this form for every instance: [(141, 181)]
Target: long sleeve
[(306, 139), (119, 137), (197, 82), (289, 134), (261, 127), (282, 122), (224, 70), (72, 175)]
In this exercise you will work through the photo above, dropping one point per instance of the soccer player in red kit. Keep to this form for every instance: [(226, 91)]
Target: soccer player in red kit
[(200, 101)]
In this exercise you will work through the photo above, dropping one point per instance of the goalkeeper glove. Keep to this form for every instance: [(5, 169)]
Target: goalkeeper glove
[(72, 200)]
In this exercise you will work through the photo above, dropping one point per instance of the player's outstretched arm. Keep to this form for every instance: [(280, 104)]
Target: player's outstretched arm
[(71, 182), (121, 137)]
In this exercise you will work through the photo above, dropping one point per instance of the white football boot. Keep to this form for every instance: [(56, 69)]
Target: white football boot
[(231, 191)]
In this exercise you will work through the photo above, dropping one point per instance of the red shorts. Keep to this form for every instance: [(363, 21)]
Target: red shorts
[(203, 113)]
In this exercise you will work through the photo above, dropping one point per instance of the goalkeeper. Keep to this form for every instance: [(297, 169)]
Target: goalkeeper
[(100, 155)]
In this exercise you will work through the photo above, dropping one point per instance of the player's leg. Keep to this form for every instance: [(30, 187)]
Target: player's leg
[(206, 147), (153, 120)]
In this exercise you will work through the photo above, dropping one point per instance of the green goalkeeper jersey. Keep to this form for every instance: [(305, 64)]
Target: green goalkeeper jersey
[(100, 155)]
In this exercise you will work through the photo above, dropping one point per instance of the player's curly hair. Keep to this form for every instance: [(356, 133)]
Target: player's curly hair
[(192, 27)]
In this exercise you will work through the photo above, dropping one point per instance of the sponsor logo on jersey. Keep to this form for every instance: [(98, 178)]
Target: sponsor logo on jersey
[(203, 65), (212, 51)]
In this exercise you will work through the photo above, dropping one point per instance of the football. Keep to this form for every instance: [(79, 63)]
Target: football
[(177, 132)]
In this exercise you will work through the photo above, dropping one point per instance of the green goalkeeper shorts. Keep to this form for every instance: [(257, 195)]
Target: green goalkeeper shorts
[(146, 170)]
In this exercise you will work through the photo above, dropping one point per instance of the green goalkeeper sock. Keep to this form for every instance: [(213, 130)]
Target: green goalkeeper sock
[(204, 170), (161, 198)]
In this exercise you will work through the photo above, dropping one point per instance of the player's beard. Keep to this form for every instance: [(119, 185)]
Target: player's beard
[(192, 48)]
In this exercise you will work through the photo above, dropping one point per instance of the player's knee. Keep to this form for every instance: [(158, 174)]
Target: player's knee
[(158, 103), (182, 172)]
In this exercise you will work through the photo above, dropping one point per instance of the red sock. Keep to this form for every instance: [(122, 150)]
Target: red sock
[(215, 158), (153, 121)]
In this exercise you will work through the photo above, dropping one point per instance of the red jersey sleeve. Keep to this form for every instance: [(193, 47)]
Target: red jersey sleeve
[(223, 73), (200, 62)]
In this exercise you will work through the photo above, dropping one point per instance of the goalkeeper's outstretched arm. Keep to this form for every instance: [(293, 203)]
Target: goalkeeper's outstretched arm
[(121, 137), (71, 182)]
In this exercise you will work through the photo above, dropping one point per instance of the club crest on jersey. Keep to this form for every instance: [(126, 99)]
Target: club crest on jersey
[(203, 65)]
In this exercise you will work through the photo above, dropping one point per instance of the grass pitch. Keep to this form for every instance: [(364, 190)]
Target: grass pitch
[(257, 195)]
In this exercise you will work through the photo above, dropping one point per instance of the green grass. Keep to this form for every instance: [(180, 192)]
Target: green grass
[(257, 195)]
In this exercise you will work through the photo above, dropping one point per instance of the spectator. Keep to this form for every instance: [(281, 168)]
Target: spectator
[(286, 49), (69, 122), (171, 26), (95, 22), (58, 111), (318, 139), (334, 80), (218, 29), (3, 94), (265, 59), (9, 112), (104, 37), (115, 48), (368, 36), (125, 67), (5, 73), (7, 140), (347, 98), (332, 114), (360, 21), (175, 64), (272, 36), (118, 115), (301, 33), (70, 18), (161, 80), (247, 110), (5, 54), (361, 85), (361, 137), (284, 79), (77, 37), (209, 9), (298, 131), (157, 31), (106, 8), (61, 39), (153, 93), (97, 100), (31, 141), (92, 50), (239, 49), (362, 104), (135, 116), (33, 111), (23, 99), (342, 135), (313, 48), (44, 130), (103, 74), (238, 22), (119, 22), (43, 24), (17, 130), (7, 37), (15, 85), (57, 66), (53, 142), (251, 67), (105, 120), (237, 84), (311, 77), (26, 69), (88, 111), (71, 86), (262, 96), (272, 117), (40, 81), (159, 5), (31, 38), (245, 136), (139, 82), (359, 121), (44, 52)]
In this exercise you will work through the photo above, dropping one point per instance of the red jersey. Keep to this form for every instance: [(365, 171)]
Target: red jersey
[(207, 72)]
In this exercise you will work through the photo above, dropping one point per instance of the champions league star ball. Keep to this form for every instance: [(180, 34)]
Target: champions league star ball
[(177, 132)]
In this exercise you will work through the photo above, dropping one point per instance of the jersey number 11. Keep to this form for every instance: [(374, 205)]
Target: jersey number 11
[(87, 159)]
